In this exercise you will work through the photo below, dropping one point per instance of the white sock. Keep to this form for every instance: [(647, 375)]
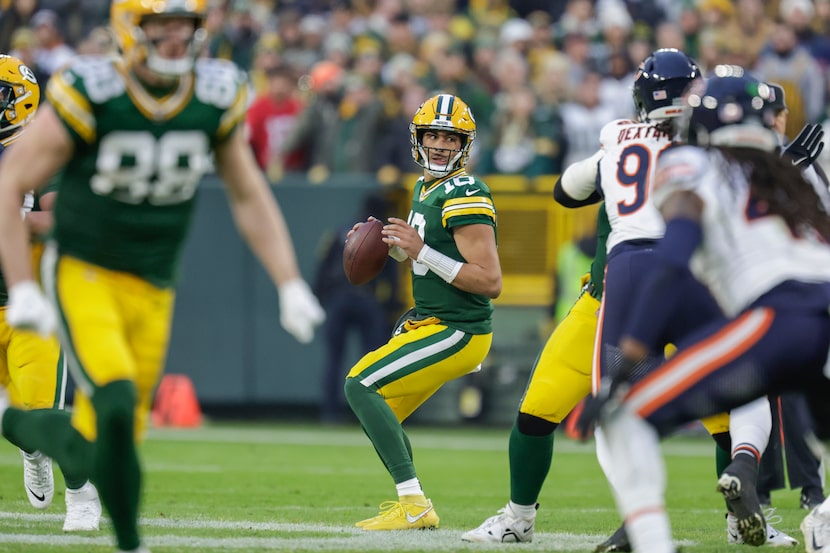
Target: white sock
[(606, 460), (409, 487), (640, 481), (523, 511), (749, 428), (650, 533)]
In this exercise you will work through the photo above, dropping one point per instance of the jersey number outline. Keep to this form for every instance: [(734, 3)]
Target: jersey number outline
[(419, 223), (637, 180), (136, 166)]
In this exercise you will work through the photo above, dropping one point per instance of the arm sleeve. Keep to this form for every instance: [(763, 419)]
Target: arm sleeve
[(563, 199), (577, 186)]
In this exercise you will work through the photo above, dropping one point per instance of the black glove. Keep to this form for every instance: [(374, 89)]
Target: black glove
[(611, 391), (806, 147)]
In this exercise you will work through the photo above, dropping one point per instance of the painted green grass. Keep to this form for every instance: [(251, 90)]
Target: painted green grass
[(281, 487)]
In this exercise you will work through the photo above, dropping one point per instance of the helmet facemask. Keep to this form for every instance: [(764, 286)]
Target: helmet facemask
[(171, 67), (452, 164)]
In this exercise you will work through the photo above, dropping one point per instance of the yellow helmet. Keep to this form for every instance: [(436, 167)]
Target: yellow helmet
[(443, 112), (19, 96), (127, 16)]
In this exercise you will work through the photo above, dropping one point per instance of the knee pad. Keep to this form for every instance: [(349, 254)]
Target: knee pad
[(531, 425)]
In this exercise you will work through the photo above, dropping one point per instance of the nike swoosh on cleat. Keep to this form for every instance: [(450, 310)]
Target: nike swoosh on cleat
[(735, 537), (413, 519), (473, 191), (41, 497)]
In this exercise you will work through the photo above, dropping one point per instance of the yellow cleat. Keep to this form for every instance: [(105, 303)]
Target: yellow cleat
[(407, 514)]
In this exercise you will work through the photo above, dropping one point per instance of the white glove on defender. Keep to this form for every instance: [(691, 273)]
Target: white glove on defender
[(29, 309), (300, 311)]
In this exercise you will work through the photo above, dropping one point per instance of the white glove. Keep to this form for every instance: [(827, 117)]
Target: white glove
[(29, 309), (300, 311)]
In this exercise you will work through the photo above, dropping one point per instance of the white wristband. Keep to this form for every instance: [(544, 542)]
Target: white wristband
[(442, 265)]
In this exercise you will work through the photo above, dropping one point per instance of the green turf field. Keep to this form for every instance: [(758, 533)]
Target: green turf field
[(252, 488)]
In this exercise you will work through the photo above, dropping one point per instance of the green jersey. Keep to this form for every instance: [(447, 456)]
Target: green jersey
[(126, 198), (598, 264), (439, 206)]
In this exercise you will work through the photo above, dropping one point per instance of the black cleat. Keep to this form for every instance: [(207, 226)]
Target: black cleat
[(737, 484), (811, 498), (617, 542)]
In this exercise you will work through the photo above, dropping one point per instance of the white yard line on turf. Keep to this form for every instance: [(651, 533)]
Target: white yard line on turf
[(342, 538)]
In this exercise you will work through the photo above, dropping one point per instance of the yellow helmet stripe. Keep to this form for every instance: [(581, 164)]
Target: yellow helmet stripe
[(72, 107), (235, 114)]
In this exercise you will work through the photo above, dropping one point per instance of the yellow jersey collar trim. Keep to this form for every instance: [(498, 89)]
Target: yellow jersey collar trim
[(158, 109), (426, 189)]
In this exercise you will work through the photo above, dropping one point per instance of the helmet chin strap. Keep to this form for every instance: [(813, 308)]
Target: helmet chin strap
[(174, 67)]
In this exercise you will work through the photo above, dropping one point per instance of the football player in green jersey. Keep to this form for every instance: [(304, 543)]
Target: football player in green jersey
[(31, 366), (560, 379), (132, 137), (450, 237)]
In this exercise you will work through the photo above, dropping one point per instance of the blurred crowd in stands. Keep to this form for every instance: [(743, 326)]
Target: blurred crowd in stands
[(337, 81)]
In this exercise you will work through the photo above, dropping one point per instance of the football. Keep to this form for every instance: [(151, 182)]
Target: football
[(365, 253)]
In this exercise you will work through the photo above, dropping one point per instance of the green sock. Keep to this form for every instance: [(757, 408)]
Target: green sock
[(50, 431), (116, 468), (722, 460), (407, 445), (530, 459), (383, 429)]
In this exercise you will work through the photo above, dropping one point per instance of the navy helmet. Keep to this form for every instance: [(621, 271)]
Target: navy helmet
[(660, 82), (732, 109)]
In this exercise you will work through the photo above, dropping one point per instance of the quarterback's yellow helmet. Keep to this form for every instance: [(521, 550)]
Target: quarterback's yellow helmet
[(127, 16), (443, 112), (19, 96)]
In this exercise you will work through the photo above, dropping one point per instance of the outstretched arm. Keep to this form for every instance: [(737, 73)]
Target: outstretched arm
[(27, 165), (260, 222), (40, 152)]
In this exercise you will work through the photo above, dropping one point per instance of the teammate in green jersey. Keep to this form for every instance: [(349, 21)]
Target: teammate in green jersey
[(451, 239), (132, 136), (560, 379)]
